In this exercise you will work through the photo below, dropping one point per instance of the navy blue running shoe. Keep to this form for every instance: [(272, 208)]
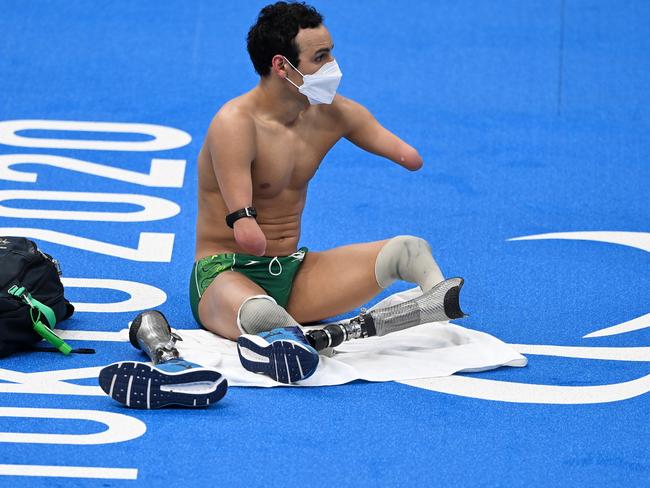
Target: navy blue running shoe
[(174, 382), (283, 354)]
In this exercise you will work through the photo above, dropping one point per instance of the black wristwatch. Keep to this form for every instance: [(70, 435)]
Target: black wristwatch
[(240, 214)]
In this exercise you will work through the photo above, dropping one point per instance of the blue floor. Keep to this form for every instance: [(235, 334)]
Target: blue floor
[(532, 118)]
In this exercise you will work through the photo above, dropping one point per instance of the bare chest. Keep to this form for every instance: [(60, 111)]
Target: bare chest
[(287, 159)]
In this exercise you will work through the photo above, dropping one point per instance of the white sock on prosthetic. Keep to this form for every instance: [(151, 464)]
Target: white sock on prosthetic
[(261, 313), (407, 258)]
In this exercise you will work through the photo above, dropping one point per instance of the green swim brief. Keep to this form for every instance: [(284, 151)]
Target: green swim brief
[(274, 274)]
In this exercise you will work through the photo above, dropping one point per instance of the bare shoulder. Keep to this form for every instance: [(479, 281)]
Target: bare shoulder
[(344, 107), (346, 112), (234, 118)]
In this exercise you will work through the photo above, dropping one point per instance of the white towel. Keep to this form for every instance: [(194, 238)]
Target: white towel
[(426, 351)]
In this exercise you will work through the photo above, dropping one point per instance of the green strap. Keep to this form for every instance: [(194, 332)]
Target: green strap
[(46, 333), (41, 329)]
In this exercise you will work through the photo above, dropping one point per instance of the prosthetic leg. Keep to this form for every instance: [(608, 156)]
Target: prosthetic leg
[(169, 381), (440, 303)]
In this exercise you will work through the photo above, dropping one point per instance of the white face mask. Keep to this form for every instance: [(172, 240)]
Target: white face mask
[(321, 86)]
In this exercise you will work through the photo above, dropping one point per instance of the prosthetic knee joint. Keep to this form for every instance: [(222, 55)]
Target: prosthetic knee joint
[(261, 313), (407, 258), (151, 333)]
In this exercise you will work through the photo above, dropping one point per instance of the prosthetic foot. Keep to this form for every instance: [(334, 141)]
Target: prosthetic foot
[(282, 354), (151, 333), (169, 381)]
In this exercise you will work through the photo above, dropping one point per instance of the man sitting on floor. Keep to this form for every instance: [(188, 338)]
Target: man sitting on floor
[(250, 281)]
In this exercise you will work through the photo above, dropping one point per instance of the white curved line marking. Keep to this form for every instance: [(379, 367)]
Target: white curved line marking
[(505, 391), (68, 471), (637, 240), (602, 353), (629, 326)]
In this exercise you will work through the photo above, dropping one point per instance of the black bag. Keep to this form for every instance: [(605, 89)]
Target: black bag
[(23, 265)]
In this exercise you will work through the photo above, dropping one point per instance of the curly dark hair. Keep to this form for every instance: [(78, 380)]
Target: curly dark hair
[(275, 33)]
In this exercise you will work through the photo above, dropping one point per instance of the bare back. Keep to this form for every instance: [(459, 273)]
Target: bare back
[(286, 158)]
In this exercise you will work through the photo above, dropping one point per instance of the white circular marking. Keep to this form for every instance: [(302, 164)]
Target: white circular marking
[(506, 391)]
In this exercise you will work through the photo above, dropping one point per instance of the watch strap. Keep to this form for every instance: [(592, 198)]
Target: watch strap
[(240, 214)]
